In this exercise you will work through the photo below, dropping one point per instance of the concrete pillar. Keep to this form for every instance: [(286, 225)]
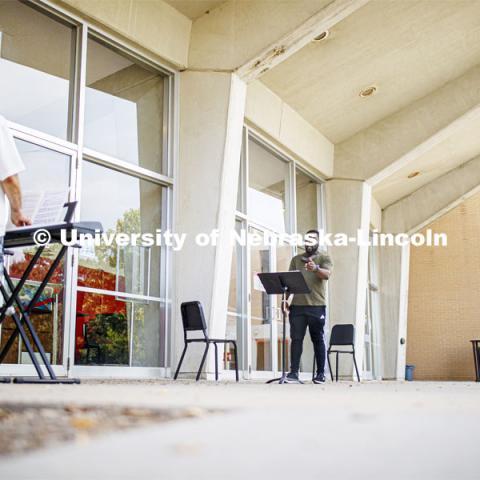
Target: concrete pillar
[(394, 267), (211, 121), (348, 210)]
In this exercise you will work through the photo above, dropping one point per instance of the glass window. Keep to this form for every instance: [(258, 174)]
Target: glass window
[(123, 107), (45, 169), (114, 331), (234, 327), (306, 195), (241, 201), (35, 68), (123, 204), (261, 308), (268, 180)]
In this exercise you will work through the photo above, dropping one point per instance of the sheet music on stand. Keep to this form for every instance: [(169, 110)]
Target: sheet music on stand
[(43, 207)]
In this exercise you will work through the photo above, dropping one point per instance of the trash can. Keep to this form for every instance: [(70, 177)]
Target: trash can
[(409, 372)]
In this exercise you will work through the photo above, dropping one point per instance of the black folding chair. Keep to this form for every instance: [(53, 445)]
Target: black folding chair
[(342, 335), (193, 320)]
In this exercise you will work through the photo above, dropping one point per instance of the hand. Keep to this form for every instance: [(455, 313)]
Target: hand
[(285, 307), (19, 219), (311, 266)]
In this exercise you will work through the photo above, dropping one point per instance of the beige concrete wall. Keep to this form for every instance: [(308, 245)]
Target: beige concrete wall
[(154, 25), (444, 298), (267, 111)]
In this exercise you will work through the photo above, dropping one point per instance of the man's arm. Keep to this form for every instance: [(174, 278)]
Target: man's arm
[(11, 187)]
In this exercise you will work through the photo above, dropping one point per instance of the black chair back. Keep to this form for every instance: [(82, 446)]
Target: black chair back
[(192, 317), (343, 334)]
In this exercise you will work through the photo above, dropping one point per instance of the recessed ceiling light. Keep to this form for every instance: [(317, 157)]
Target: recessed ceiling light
[(323, 36), (413, 174), (369, 91)]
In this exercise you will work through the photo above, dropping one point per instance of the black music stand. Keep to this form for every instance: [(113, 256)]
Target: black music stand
[(283, 283)]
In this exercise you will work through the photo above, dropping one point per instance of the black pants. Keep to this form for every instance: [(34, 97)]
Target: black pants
[(300, 318)]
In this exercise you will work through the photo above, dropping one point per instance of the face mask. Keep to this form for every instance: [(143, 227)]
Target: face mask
[(311, 249)]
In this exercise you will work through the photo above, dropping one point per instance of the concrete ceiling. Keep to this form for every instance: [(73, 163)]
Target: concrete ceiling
[(194, 8), (447, 155), (406, 48)]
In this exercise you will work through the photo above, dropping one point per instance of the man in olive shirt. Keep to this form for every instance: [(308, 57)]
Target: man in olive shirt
[(309, 309)]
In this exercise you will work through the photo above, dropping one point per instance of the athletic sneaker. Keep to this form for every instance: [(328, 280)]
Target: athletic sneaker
[(319, 378), (292, 377)]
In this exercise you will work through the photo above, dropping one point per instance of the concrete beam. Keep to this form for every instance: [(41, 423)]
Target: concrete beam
[(421, 207), (300, 36), (268, 112), (431, 142), (417, 126), (155, 26), (229, 37)]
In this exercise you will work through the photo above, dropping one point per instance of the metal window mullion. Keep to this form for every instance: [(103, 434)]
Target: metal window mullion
[(126, 167), (248, 311), (75, 185), (273, 313), (130, 343), (166, 272), (42, 139), (246, 171)]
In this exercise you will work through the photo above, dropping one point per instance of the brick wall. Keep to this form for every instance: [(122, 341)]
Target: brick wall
[(444, 298)]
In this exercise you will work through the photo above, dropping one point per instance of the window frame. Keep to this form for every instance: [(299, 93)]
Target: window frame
[(74, 146)]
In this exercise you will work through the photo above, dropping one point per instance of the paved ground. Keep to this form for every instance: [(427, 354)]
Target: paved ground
[(387, 430)]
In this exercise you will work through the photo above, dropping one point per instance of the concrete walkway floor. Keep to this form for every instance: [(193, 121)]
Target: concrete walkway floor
[(387, 430)]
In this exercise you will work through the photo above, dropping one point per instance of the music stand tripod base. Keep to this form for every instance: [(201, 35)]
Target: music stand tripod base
[(283, 283)]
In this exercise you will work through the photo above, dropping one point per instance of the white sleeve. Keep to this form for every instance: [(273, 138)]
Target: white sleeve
[(10, 161)]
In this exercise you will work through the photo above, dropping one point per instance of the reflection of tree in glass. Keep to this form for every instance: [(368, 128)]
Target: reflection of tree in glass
[(129, 223), (110, 332)]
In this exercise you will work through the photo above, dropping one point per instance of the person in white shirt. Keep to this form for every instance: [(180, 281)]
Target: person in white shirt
[(11, 165)]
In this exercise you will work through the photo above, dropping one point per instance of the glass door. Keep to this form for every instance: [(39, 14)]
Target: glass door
[(262, 308), (48, 168), (236, 324)]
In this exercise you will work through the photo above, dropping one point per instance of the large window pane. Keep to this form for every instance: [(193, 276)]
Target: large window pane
[(284, 255), (127, 205), (235, 314), (35, 68), (124, 108), (307, 202), (261, 309), (114, 331), (268, 180)]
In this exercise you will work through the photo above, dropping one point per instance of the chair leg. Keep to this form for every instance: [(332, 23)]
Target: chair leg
[(216, 361), (202, 362), (329, 365), (355, 363), (336, 369), (180, 362), (236, 359)]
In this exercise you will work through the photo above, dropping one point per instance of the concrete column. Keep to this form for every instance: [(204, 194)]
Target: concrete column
[(394, 268), (348, 210), (211, 120)]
